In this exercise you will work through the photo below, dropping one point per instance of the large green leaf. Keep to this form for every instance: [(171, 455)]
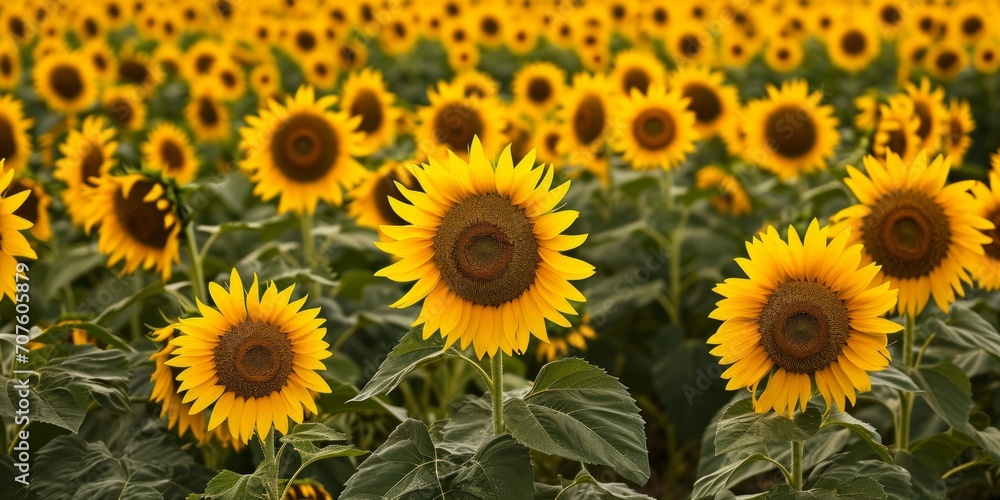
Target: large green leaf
[(741, 427), (409, 466), (948, 392), (577, 411), (411, 353), (710, 485), (894, 378), (966, 328), (858, 488), (228, 485), (841, 476), (468, 426), (586, 487), (863, 429), (308, 440)]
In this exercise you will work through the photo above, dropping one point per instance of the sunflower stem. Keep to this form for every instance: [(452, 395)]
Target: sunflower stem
[(795, 479), (309, 248), (197, 274), (496, 363), (905, 398), (676, 240), (267, 446)]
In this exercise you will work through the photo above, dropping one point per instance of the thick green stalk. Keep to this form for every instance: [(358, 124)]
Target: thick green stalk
[(796, 473), (197, 274), (496, 363), (905, 398), (267, 446), (309, 248)]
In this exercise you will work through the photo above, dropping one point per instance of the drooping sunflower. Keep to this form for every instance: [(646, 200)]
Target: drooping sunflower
[(960, 124), (484, 249), (167, 148), (452, 119), (560, 344), (657, 128), (928, 106), (809, 315), (713, 102), (537, 87), (253, 358), (986, 269), (88, 154), (10, 66), (302, 152), (13, 244), (370, 200), (365, 95), (896, 130), (125, 106), (791, 130), (15, 143), (208, 117), (35, 208), (731, 197), (636, 69), (853, 46), (925, 234), (138, 222), (66, 81), (586, 114)]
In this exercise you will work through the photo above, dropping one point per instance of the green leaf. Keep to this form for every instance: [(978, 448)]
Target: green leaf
[(966, 328), (308, 439), (741, 427), (840, 476), (863, 429), (228, 485), (501, 468), (260, 225), (710, 485), (577, 411), (468, 426), (84, 259), (948, 392), (586, 487), (411, 353), (860, 488), (894, 378), (113, 309), (103, 335)]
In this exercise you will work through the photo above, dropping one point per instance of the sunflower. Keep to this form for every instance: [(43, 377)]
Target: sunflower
[(853, 46), (484, 247), (164, 390), (946, 59), (398, 37), (986, 271), (636, 69), (808, 315), (585, 114), (35, 208), (88, 24), (560, 344), (925, 234), (826, 19), (365, 95), (960, 124), (208, 117), (521, 39), (712, 102), (731, 197), (891, 15), (463, 57), (15, 143), (307, 490), (66, 81), (545, 141), (867, 107), (519, 132), (929, 107), (201, 57), (351, 55), (537, 87), (986, 57), (561, 32), (477, 84), (791, 130), (691, 45), (656, 18), (657, 128), (88, 154), (136, 68), (229, 78), (453, 119), (970, 22), (13, 244), (254, 359), (138, 222), (265, 80), (102, 59), (370, 200), (736, 50), (168, 149), (17, 23), (320, 70), (897, 130), (10, 66), (302, 152), (125, 106), (783, 54)]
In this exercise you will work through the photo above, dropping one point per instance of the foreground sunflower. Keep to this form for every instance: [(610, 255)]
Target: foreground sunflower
[(657, 129), (923, 233), (792, 131), (167, 148), (986, 270), (484, 249), (302, 152), (15, 142), (253, 358), (138, 222), (13, 244), (88, 154), (807, 315)]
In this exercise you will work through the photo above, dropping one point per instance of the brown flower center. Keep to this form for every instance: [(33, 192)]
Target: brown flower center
[(90, 163), (367, 105), (790, 131), (690, 45), (853, 43), (539, 90), (993, 248), (207, 113), (305, 41), (8, 143), (704, 102), (890, 15), (172, 154), (29, 209), (254, 359), (972, 25), (66, 81), (907, 233), (897, 142), (654, 129), (203, 63), (635, 78), (142, 220), (923, 112), (589, 119), (456, 124), (132, 71), (946, 60), (305, 148), (120, 110), (803, 326), (6, 65), (386, 188), (486, 250)]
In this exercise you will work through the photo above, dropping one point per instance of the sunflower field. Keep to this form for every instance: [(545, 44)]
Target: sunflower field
[(509, 249)]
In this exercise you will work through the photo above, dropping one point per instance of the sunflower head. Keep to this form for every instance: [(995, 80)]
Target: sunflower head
[(253, 358), (730, 196), (168, 149), (15, 142), (537, 87), (365, 95), (807, 316), (635, 69), (13, 244), (66, 81), (453, 119), (484, 247), (658, 129)]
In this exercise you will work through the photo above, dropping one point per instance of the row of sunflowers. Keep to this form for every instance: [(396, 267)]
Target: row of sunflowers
[(521, 249)]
